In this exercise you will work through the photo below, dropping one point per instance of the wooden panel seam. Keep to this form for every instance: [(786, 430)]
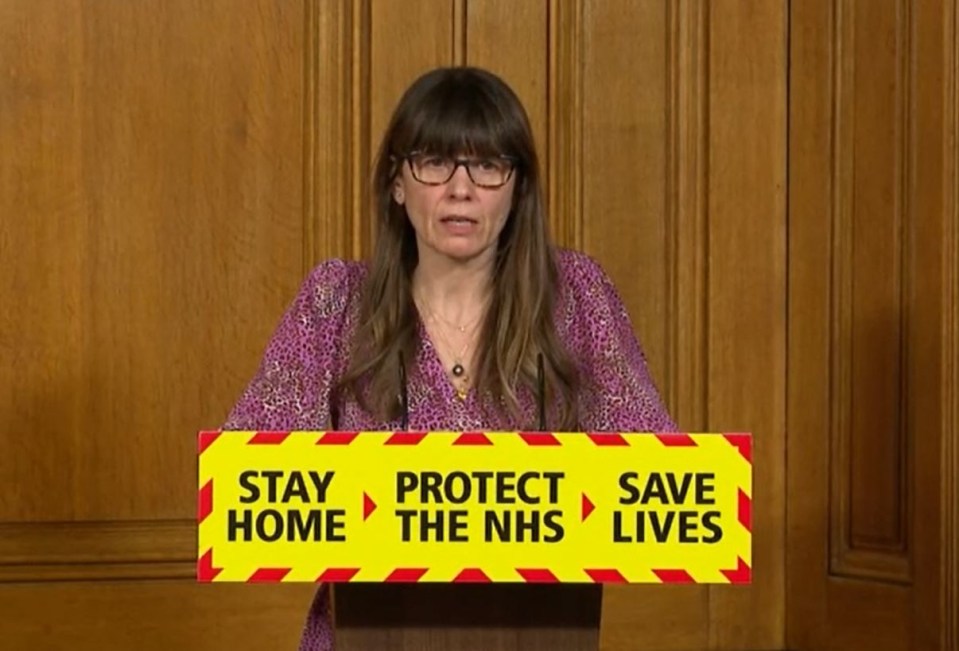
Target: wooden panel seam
[(42, 551), (686, 211), (359, 129), (564, 164), (460, 31), (950, 470)]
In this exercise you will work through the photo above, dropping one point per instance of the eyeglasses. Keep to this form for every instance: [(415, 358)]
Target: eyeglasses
[(488, 172)]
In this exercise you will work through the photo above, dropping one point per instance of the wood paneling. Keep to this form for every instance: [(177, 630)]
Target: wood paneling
[(151, 233), (746, 288), (949, 608), (624, 158), (152, 157), (509, 37), (97, 550), (169, 171), (870, 273), (335, 140), (563, 154), (151, 616), (872, 259)]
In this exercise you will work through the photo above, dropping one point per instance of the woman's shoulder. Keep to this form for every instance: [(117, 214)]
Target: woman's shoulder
[(579, 272), (338, 273), (333, 284)]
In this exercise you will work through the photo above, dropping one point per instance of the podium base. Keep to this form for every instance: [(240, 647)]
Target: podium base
[(467, 617)]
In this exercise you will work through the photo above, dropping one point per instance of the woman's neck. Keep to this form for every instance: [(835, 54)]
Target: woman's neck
[(455, 290)]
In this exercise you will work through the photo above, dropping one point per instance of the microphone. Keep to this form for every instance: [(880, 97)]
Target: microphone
[(404, 397), (541, 397)]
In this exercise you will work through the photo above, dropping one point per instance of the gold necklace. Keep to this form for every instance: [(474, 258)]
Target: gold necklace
[(460, 377)]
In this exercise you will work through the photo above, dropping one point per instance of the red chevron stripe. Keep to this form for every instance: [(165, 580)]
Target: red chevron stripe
[(405, 438), (672, 440), (205, 440), (674, 576), (472, 575), (406, 575), (336, 438), (268, 438), (745, 510), (607, 438), (742, 574), (337, 574), (606, 576), (539, 438), (204, 567), (204, 504), (744, 442), (472, 438), (268, 575), (534, 575), (586, 507)]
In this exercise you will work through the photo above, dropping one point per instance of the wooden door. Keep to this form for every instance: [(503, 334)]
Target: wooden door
[(872, 499)]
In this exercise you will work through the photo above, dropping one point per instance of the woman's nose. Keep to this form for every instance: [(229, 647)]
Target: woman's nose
[(460, 184)]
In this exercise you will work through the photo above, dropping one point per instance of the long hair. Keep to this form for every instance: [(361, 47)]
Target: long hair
[(453, 111)]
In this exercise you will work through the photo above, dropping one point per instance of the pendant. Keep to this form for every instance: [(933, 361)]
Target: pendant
[(458, 370), (461, 394)]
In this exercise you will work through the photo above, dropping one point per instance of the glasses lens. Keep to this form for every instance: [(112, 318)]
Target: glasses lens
[(490, 171), (432, 169)]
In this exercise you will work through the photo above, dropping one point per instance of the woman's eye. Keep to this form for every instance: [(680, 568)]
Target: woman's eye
[(435, 161)]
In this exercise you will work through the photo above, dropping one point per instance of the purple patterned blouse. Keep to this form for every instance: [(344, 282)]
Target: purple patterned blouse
[(308, 353)]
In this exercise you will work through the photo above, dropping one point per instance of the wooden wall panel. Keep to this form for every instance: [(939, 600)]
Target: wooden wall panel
[(406, 40), (151, 234), (949, 607), (336, 119), (624, 158), (870, 275), (746, 286), (152, 160), (872, 272), (510, 37), (152, 616)]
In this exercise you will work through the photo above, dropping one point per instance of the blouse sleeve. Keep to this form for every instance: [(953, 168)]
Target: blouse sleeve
[(291, 388), (617, 391)]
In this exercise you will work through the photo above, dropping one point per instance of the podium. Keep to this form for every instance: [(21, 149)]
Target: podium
[(466, 617), (473, 541)]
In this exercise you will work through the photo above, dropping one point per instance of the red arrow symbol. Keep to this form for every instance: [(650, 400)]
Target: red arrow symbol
[(368, 506), (587, 507)]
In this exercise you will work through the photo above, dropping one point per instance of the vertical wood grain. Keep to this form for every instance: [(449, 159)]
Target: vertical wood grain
[(152, 616), (872, 98), (152, 158), (509, 37), (746, 287), (563, 161), (335, 141), (949, 607), (623, 159)]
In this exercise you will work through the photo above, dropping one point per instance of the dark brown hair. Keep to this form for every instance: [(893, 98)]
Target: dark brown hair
[(453, 111)]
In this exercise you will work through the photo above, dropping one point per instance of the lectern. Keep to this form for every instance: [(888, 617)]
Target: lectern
[(473, 541), (466, 617)]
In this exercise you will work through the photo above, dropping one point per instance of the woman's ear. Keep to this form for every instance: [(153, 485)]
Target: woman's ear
[(399, 196)]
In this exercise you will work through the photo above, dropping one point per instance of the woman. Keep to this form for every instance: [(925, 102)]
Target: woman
[(466, 317)]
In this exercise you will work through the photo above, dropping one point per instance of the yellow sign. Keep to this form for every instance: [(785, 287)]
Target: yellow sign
[(474, 506)]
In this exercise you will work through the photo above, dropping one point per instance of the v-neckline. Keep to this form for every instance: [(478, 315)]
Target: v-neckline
[(434, 363)]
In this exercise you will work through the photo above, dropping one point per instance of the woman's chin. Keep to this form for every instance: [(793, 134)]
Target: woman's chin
[(461, 249)]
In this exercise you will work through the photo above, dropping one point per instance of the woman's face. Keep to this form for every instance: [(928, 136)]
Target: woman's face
[(457, 219)]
